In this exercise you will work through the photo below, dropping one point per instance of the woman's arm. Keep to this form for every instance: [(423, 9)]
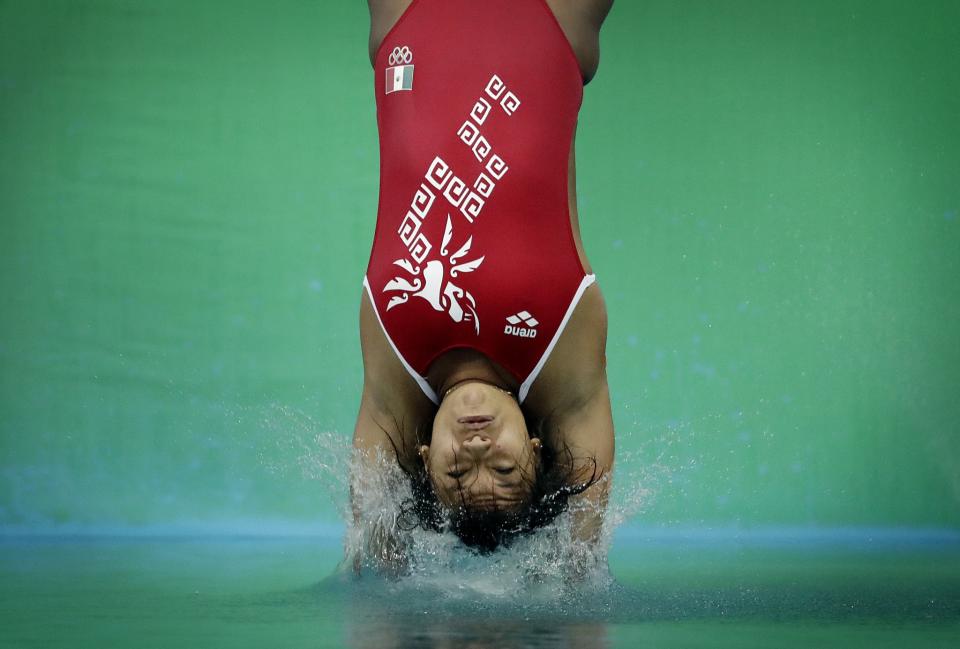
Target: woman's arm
[(375, 540), (588, 432), (572, 393), (383, 437)]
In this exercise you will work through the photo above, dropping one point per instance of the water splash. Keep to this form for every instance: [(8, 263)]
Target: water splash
[(547, 565)]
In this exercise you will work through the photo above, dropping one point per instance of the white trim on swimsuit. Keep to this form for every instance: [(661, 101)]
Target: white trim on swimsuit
[(527, 383)]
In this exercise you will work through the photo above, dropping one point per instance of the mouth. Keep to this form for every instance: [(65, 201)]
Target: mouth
[(475, 422)]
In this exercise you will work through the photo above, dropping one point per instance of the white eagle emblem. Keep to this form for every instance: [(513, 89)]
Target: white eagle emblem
[(433, 283)]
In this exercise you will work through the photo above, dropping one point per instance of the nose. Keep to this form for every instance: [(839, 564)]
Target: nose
[(476, 445)]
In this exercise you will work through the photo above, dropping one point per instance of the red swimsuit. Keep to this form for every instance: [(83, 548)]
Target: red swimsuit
[(476, 107)]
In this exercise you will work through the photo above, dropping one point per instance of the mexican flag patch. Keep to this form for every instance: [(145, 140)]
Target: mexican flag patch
[(399, 77)]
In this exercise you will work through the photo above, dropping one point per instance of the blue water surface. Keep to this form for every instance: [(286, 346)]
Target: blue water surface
[(786, 588)]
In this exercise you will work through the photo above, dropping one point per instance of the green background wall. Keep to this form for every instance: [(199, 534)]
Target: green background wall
[(769, 195)]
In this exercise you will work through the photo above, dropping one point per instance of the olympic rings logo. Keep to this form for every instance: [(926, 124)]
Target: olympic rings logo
[(400, 55)]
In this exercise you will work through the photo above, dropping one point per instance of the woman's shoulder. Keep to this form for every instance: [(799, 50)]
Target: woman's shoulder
[(388, 389), (577, 366), (571, 394)]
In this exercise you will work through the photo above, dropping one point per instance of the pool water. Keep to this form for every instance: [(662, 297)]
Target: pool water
[(287, 592)]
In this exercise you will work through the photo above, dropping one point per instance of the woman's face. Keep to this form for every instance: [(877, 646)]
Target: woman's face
[(480, 453)]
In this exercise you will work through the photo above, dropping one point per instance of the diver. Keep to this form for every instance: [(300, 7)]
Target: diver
[(483, 330)]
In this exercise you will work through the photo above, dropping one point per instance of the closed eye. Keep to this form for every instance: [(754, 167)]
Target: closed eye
[(506, 471), (456, 475)]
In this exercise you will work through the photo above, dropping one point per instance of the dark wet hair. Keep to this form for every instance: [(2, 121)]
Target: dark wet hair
[(557, 476)]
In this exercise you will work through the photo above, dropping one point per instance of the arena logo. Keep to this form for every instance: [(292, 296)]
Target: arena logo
[(512, 327)]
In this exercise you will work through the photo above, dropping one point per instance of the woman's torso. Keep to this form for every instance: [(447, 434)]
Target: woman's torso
[(477, 240), (578, 20)]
